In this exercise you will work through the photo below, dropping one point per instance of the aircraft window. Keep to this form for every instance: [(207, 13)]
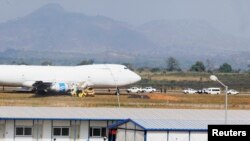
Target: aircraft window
[(125, 68)]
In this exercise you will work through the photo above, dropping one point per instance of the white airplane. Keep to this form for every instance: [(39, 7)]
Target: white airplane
[(63, 78)]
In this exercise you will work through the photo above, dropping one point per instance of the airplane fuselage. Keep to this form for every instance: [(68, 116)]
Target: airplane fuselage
[(100, 75)]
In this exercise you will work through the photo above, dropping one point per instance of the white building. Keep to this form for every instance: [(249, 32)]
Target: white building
[(119, 124), (163, 130)]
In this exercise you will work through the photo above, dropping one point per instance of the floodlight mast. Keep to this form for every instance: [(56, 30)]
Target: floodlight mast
[(214, 78)]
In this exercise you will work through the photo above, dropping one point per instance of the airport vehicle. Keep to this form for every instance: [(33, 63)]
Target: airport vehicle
[(148, 90), (213, 90), (189, 91), (65, 79), (202, 91), (134, 90), (232, 92)]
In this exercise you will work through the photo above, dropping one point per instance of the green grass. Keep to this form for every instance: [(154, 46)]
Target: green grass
[(180, 80)]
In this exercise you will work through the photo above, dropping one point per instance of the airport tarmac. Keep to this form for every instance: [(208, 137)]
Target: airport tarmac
[(108, 99)]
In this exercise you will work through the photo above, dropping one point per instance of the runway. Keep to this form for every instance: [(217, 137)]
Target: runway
[(104, 99)]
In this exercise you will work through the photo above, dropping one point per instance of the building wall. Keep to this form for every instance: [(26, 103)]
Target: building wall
[(2, 129), (46, 130), (98, 124), (176, 136), (131, 132), (9, 130), (198, 136), (61, 123), (157, 136), (84, 128), (23, 123), (121, 135), (37, 130), (42, 130)]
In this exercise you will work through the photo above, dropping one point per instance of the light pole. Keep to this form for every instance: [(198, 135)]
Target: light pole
[(214, 78)]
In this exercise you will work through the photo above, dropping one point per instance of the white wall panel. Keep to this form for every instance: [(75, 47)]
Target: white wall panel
[(120, 135), (61, 123), (198, 136), (84, 130), (130, 135), (9, 130), (75, 132), (98, 123), (178, 136), (138, 128), (130, 125), (37, 132), (139, 136), (96, 139), (46, 130), (157, 136), (24, 122), (2, 131)]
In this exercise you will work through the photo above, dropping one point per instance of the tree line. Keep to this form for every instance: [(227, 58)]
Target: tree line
[(198, 66), (172, 65)]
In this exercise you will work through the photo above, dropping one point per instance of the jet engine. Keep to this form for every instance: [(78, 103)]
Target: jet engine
[(60, 87)]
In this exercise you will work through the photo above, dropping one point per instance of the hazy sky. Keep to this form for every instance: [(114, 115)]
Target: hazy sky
[(231, 16)]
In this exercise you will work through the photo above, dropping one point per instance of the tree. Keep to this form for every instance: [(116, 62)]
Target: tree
[(198, 67), (155, 70), (226, 68), (86, 62), (128, 65), (209, 65), (19, 63), (140, 69), (172, 64), (46, 63), (23, 63)]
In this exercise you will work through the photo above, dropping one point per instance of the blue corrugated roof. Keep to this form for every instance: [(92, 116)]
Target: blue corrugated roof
[(175, 125), (150, 119)]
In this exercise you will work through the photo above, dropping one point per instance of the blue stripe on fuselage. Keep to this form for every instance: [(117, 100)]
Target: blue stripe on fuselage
[(62, 87)]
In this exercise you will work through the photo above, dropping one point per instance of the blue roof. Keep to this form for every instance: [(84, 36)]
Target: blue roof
[(146, 118), (182, 125)]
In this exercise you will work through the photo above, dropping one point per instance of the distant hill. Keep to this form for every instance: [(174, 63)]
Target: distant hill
[(51, 33), (51, 28), (196, 35), (196, 40)]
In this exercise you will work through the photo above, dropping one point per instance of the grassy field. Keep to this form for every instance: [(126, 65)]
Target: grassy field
[(180, 80), (155, 101)]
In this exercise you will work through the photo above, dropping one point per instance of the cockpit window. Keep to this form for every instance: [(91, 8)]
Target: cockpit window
[(125, 68)]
